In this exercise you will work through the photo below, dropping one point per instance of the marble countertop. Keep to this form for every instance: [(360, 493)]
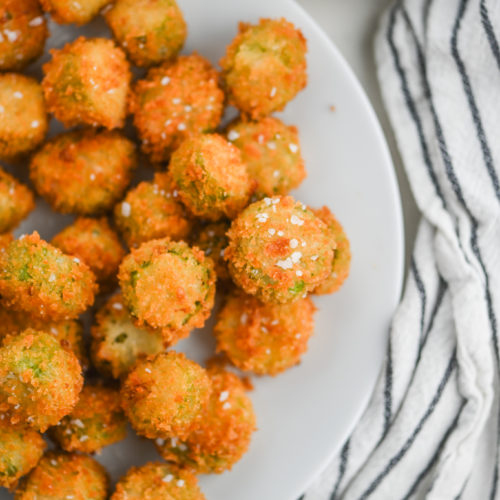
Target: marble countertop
[(351, 24)]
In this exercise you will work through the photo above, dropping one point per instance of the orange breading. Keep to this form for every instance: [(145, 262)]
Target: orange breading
[(5, 240), (168, 285), (39, 380), (87, 83), (165, 395), (95, 243), (263, 338), (23, 117), (150, 31), (65, 475), (264, 66), (279, 250), (152, 210), (73, 11), (16, 202), (84, 172), (174, 101), (96, 421), (224, 433), (342, 258), (20, 450), (40, 280), (117, 343), (24, 30), (154, 481), (210, 176), (271, 151)]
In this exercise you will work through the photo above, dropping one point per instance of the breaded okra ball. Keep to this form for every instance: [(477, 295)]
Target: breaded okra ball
[(152, 210), (69, 333), (16, 202), (279, 250), (95, 243), (20, 450), (39, 380), (23, 118), (87, 83), (40, 280), (150, 31), (23, 31), (96, 421), (168, 285), (263, 338), (156, 480), (210, 176), (342, 257), (117, 343), (212, 239), (73, 11), (165, 395), (224, 433), (270, 149), (84, 172), (174, 101), (60, 476), (264, 66)]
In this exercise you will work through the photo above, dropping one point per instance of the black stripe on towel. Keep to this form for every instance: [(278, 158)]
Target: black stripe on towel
[(411, 107), (490, 33), (434, 457), (421, 292), (344, 457), (388, 389), (411, 439), (471, 100)]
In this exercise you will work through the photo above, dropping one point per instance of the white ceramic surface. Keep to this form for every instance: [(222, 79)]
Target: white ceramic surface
[(304, 414)]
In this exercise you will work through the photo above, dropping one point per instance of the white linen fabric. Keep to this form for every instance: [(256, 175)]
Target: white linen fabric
[(432, 428)]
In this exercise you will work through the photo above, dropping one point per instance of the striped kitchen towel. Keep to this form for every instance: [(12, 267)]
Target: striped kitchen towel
[(432, 427)]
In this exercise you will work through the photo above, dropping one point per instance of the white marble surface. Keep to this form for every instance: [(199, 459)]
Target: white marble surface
[(351, 24)]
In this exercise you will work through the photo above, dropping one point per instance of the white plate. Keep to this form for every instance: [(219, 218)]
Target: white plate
[(305, 414)]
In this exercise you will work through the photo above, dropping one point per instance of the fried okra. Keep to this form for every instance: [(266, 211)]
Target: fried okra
[(152, 210), (264, 66), (150, 31), (154, 481), (95, 243), (279, 250), (39, 380), (117, 343), (84, 172), (168, 285), (16, 202), (23, 118), (20, 450), (212, 239), (263, 338), (342, 257), (73, 11), (69, 333), (65, 475), (224, 433), (87, 83), (23, 31), (174, 101), (39, 279), (165, 395), (96, 421), (210, 176), (270, 149)]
